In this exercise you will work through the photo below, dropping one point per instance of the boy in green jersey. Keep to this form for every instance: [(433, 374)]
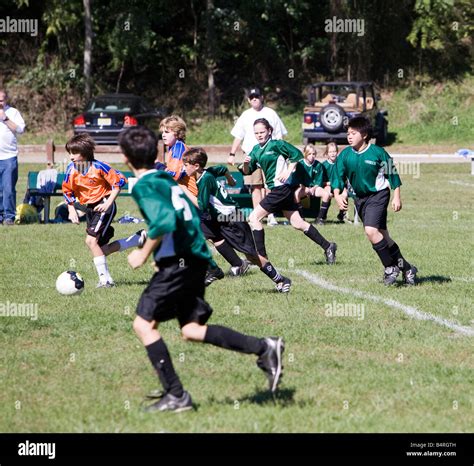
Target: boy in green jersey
[(371, 173), (221, 221), (271, 156), (176, 290)]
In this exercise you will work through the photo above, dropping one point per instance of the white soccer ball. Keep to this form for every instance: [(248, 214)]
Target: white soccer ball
[(69, 283)]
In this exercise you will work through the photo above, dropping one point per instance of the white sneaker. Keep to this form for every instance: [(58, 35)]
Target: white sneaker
[(271, 220)]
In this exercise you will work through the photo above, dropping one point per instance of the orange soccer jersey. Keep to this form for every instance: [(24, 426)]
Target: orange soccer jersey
[(175, 167), (92, 184)]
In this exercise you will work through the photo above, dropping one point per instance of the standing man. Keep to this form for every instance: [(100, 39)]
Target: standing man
[(11, 124), (243, 134)]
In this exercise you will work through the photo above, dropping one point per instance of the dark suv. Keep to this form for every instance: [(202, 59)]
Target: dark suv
[(332, 104)]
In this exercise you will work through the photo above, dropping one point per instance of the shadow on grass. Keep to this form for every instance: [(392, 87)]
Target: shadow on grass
[(132, 282), (283, 397), (433, 279)]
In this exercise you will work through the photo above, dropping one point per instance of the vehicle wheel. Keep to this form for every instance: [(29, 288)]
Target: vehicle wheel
[(332, 118), (382, 135)]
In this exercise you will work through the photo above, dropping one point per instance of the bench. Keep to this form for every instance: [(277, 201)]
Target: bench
[(238, 192)]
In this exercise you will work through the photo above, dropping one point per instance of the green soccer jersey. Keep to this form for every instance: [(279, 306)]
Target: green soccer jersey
[(169, 213), (329, 168), (271, 158), (212, 197), (368, 171), (308, 175)]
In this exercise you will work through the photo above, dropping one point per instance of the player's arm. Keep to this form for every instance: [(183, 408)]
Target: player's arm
[(249, 165), (139, 256), (69, 196), (338, 176), (394, 180), (233, 150), (104, 206), (293, 155), (190, 195), (116, 180)]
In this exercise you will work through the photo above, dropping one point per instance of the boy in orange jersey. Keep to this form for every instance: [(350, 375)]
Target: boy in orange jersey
[(96, 185), (173, 130)]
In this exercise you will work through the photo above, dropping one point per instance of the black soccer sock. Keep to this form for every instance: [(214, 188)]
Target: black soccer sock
[(398, 258), (271, 272), (383, 251), (315, 236), (161, 361), (300, 210), (228, 253), (323, 210), (259, 239), (224, 337)]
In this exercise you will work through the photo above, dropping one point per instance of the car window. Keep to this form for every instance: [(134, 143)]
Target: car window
[(335, 94), (110, 105)]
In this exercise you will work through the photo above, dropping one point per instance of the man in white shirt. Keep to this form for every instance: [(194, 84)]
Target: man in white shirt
[(243, 134), (11, 124)]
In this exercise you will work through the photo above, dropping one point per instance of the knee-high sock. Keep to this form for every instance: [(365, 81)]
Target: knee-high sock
[(383, 251), (224, 337), (397, 257), (315, 236)]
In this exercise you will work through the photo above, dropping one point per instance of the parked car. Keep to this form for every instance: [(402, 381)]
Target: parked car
[(106, 116), (332, 104)]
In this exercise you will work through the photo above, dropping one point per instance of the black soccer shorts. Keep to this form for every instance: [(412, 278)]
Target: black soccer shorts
[(176, 291), (280, 198), (99, 223), (372, 209)]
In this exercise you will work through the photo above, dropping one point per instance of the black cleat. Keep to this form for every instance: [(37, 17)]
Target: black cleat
[(390, 275), (284, 286), (143, 235), (240, 270), (342, 216), (330, 254), (409, 276), (319, 221), (170, 402), (212, 275), (271, 361)]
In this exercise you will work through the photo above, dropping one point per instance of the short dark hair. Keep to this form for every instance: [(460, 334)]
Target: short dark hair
[(361, 124), (196, 155), (140, 146), (264, 122), (83, 144)]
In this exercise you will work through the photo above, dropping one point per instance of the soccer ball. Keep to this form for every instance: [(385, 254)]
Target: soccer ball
[(69, 283)]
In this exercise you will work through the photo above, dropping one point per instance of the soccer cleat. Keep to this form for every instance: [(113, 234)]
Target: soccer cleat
[(284, 286), (143, 236), (173, 403), (105, 285), (342, 216), (212, 275), (319, 221), (409, 276), (390, 275), (271, 361), (272, 221), (240, 270), (330, 254)]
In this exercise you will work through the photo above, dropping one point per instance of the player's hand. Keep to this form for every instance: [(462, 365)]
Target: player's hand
[(102, 207), (284, 176), (136, 259), (396, 204), (247, 159), (73, 216), (231, 160), (341, 202)]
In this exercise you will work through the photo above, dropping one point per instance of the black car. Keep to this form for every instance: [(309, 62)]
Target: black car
[(106, 116), (332, 104)]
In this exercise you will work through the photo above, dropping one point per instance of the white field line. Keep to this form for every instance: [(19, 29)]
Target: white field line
[(461, 183), (408, 310)]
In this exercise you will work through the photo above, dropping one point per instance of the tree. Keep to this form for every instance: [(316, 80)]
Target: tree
[(87, 48)]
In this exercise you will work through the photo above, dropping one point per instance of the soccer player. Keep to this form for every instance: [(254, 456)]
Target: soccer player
[(330, 153), (314, 182), (176, 290), (222, 222), (371, 173), (173, 130), (271, 156), (96, 185)]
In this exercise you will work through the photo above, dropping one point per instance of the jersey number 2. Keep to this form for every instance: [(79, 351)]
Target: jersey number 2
[(179, 203)]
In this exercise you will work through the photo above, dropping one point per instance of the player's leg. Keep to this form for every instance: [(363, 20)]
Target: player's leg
[(325, 196), (137, 240), (408, 271), (269, 350), (313, 234), (174, 397)]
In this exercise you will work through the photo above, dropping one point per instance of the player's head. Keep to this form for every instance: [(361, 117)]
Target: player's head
[(255, 98), (359, 130), (331, 151), (309, 153), (81, 147), (139, 146), (173, 128), (195, 160), (262, 130)]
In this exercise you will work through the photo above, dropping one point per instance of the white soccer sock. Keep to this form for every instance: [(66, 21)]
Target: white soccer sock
[(130, 242), (100, 263)]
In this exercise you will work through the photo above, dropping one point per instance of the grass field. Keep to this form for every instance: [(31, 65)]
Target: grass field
[(79, 368)]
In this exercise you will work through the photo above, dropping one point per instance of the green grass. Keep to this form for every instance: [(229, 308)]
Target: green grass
[(79, 368), (434, 115)]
